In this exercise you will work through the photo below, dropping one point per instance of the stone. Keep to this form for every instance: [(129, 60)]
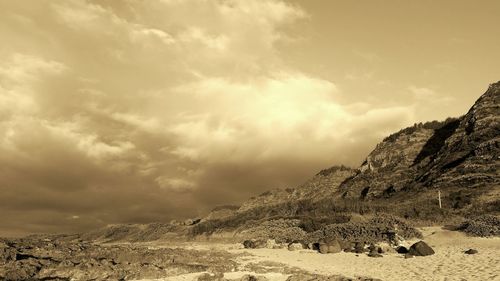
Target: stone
[(334, 247), (313, 246), (359, 247), (249, 244), (346, 245), (323, 248), (401, 250), (471, 252), (421, 249)]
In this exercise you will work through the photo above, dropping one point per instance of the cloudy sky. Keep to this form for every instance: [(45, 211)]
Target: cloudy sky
[(139, 111)]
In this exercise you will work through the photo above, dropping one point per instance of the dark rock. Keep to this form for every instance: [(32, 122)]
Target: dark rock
[(401, 250), (359, 247), (421, 249), (471, 252), (249, 244), (314, 246)]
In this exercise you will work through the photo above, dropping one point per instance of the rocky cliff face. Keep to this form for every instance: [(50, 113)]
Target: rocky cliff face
[(389, 167), (470, 156), (456, 153)]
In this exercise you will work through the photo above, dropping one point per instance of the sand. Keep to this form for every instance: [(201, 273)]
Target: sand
[(449, 262)]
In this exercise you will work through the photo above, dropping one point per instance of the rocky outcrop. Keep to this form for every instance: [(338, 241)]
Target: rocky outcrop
[(389, 167)]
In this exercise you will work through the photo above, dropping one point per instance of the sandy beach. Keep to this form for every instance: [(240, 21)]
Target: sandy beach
[(448, 263)]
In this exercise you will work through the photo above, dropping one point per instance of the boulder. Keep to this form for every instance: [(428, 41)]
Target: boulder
[(359, 247), (408, 256), (401, 250), (346, 245), (323, 248), (249, 244), (295, 247), (471, 252), (421, 249), (313, 246), (334, 247)]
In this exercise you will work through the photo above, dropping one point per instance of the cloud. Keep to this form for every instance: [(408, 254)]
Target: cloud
[(134, 111)]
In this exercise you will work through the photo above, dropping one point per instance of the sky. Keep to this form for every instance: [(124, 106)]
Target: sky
[(137, 111)]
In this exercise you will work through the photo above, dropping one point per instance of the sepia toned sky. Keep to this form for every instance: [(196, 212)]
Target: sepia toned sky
[(137, 111)]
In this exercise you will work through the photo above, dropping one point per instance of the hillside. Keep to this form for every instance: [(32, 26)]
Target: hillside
[(323, 185)]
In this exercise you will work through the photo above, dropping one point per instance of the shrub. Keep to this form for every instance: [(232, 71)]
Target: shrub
[(482, 226)]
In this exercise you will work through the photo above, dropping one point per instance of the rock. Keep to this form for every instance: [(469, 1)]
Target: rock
[(471, 252), (334, 247), (249, 244), (346, 246), (421, 249), (408, 256), (313, 246), (359, 247), (323, 248), (295, 247), (401, 250)]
